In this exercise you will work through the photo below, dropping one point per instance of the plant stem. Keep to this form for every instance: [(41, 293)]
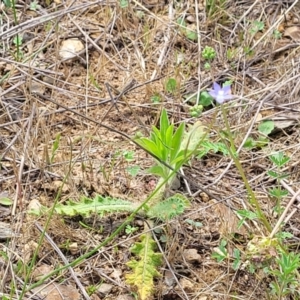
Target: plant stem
[(233, 154)]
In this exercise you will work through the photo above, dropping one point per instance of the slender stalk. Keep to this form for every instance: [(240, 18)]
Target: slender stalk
[(232, 152)]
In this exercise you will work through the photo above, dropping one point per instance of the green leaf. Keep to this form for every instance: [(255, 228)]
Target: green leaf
[(279, 159), (176, 141), (278, 193), (169, 208), (133, 170), (156, 98), (191, 35), (7, 3), (205, 99), (158, 170), (98, 205), (247, 214), (237, 260), (266, 127), (193, 137), (273, 174), (171, 85), (5, 201), (164, 123), (168, 138), (55, 147), (181, 22), (150, 146), (124, 3)]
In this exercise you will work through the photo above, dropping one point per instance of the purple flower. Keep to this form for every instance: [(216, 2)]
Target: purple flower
[(221, 94)]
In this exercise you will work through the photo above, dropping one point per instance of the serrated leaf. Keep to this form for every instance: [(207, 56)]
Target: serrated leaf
[(98, 205), (144, 270), (266, 127), (279, 159), (169, 208)]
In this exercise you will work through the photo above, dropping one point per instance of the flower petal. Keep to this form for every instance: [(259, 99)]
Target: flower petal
[(217, 87), (227, 89)]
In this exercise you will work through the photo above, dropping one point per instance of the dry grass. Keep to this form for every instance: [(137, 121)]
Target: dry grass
[(87, 101)]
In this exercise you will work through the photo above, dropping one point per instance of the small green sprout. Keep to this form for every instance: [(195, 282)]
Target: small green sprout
[(196, 110), (208, 53), (257, 26), (130, 229)]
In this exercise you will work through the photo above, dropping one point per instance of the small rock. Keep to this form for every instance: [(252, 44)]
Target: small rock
[(169, 278), (70, 48), (105, 288), (41, 271), (187, 285), (191, 255)]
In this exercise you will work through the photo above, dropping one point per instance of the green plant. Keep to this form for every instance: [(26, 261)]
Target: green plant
[(55, 147), (171, 85), (279, 160), (156, 98), (184, 29), (144, 270), (212, 7), (124, 3), (264, 129), (286, 281), (194, 223), (130, 229), (277, 34), (208, 53), (34, 5), (257, 26), (196, 110), (171, 148), (220, 253)]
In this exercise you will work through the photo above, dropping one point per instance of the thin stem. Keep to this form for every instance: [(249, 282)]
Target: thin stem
[(232, 152)]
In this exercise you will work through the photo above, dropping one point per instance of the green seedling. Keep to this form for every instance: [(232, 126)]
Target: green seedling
[(172, 148), (55, 147), (278, 193), (196, 110), (286, 282), (246, 215), (220, 253), (124, 3), (257, 26), (133, 170), (208, 53), (277, 34), (34, 5), (194, 223), (213, 7), (264, 129), (184, 29), (156, 98), (130, 229), (171, 85)]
